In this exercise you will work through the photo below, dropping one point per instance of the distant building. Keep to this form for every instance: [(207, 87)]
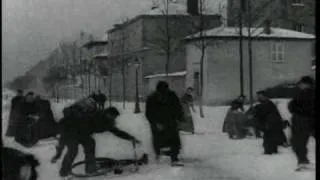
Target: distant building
[(298, 15), (144, 37), (284, 55)]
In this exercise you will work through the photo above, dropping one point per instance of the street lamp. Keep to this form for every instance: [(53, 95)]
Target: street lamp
[(137, 104)]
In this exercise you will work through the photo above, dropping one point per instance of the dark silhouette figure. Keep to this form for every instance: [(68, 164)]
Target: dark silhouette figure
[(163, 111), (29, 115), (14, 114), (234, 123), (17, 165), (101, 100), (77, 129), (47, 126), (271, 122), (303, 121)]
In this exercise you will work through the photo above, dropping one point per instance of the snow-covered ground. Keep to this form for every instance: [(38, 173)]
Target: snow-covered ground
[(211, 154)]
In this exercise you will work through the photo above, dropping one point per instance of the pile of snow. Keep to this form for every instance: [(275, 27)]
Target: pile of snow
[(211, 154)]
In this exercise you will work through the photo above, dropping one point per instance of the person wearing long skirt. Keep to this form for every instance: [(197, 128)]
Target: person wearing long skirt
[(187, 105)]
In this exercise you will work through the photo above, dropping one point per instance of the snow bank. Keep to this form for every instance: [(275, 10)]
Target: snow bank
[(211, 155)]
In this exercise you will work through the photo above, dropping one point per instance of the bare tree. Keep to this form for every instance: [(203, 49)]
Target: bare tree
[(200, 25), (167, 38)]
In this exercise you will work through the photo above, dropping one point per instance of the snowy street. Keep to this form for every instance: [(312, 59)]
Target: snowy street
[(208, 155)]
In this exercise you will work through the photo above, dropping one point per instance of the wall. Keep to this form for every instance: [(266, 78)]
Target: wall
[(222, 77)]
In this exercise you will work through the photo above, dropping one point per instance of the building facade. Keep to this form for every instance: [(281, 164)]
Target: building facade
[(282, 56), (145, 37), (298, 15)]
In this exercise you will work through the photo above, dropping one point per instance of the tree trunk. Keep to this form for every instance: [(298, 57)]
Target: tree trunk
[(201, 81), (123, 85), (110, 90), (250, 54)]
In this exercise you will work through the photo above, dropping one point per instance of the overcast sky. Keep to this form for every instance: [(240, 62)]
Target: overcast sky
[(32, 28)]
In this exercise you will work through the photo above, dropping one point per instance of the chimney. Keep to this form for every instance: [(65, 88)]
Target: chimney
[(267, 27), (193, 7)]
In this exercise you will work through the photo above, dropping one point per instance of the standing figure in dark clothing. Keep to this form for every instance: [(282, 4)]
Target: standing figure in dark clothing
[(271, 123), (47, 126), (303, 121), (14, 114), (101, 100), (187, 104), (27, 133), (163, 111), (75, 130)]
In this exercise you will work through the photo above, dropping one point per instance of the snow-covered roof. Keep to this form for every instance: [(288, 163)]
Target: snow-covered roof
[(180, 73), (102, 55), (255, 32)]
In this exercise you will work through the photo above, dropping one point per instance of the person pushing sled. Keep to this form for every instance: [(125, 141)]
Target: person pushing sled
[(80, 121)]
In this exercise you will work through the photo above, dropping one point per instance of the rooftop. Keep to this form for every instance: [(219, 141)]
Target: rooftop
[(255, 32), (95, 43), (180, 73)]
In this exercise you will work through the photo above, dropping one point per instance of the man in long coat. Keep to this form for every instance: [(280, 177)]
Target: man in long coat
[(14, 114), (29, 115), (303, 120), (271, 122), (47, 126), (163, 111)]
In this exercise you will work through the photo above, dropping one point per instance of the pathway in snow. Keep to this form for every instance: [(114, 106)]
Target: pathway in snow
[(211, 156)]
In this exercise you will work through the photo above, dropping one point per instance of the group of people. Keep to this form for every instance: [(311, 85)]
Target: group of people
[(30, 119), (167, 114), (265, 117)]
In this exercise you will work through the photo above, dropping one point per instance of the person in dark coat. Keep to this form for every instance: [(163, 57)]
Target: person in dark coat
[(14, 113), (303, 120), (101, 100), (17, 165), (234, 122), (163, 111), (47, 126), (75, 130), (239, 102), (271, 122), (28, 118)]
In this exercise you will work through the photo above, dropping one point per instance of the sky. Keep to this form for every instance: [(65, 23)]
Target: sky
[(33, 28)]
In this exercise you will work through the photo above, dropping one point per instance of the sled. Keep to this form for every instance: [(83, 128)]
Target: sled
[(107, 167)]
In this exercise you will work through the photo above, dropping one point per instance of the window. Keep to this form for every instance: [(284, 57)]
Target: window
[(298, 27), (196, 78), (277, 52)]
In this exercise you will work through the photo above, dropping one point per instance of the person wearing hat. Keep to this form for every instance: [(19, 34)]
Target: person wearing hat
[(164, 111), (271, 123), (303, 121)]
